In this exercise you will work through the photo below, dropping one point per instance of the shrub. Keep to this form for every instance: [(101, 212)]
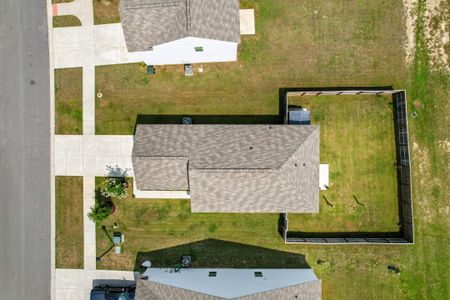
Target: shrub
[(100, 211), (212, 227), (115, 187), (103, 207)]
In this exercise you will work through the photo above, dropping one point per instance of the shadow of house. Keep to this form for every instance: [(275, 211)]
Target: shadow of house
[(212, 253), (217, 119)]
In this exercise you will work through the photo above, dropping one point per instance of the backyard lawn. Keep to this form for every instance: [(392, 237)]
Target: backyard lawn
[(68, 101), (164, 230), (357, 140), (69, 222)]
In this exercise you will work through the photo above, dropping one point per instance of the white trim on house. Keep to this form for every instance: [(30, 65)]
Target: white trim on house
[(159, 194), (183, 51)]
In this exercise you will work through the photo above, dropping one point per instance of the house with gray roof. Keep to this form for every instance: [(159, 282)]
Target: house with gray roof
[(216, 284), (181, 31), (231, 168)]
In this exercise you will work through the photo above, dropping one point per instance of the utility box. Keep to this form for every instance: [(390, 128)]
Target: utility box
[(117, 238), (151, 70)]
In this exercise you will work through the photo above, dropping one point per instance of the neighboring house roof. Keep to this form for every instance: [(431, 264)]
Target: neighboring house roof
[(232, 168), (147, 23), (229, 284)]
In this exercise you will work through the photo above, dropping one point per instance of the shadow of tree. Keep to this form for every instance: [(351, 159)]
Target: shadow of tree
[(116, 171)]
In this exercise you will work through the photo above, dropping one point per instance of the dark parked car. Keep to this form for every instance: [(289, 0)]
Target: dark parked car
[(107, 292)]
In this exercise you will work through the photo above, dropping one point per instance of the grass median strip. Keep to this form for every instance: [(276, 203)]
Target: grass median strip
[(69, 101), (66, 21), (106, 11), (69, 222)]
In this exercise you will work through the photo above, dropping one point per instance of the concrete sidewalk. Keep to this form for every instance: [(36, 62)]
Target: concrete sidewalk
[(82, 9)]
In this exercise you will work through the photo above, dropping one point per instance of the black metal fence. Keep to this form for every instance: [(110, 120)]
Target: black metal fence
[(405, 235)]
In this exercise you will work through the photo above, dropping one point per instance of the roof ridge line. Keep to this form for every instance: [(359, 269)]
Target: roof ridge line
[(152, 5), (188, 15)]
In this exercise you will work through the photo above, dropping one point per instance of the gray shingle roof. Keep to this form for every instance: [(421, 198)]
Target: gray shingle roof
[(149, 290), (232, 168), (167, 174), (147, 23)]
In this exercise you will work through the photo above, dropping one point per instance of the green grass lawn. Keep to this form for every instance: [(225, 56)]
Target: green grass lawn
[(151, 224), (106, 11), (66, 21), (69, 101), (163, 230), (302, 43), (357, 141), (69, 222), (298, 43)]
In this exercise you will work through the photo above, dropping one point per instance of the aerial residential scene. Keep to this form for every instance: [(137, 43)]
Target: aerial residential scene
[(225, 149)]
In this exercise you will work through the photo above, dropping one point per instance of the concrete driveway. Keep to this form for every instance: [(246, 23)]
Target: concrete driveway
[(93, 155)]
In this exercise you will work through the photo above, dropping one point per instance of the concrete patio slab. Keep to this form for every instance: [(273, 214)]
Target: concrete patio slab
[(247, 21), (324, 176)]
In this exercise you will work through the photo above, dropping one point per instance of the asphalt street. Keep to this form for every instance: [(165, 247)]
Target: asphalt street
[(24, 151)]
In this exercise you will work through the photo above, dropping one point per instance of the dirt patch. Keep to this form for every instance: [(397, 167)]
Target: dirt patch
[(418, 104), (437, 29), (437, 33), (423, 160), (422, 173), (444, 145), (409, 6)]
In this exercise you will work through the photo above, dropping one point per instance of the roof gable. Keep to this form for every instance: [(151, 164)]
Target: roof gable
[(148, 23), (229, 283)]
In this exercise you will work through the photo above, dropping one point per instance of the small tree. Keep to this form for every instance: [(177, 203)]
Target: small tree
[(115, 188), (100, 211)]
